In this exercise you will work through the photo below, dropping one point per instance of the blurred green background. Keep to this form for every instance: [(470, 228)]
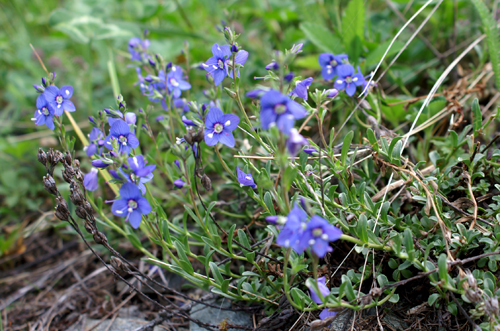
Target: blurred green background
[(81, 40)]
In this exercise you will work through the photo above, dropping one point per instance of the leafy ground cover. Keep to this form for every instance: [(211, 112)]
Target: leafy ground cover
[(408, 172)]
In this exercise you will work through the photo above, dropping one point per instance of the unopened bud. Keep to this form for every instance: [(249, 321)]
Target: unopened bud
[(53, 76), (230, 93), (91, 120), (44, 82), (206, 182), (39, 88), (234, 49), (229, 35), (272, 66), (168, 66)]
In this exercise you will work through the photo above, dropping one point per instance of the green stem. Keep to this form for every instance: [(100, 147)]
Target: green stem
[(224, 165)]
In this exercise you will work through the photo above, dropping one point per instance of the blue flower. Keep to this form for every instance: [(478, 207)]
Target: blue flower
[(293, 229), (121, 132), (100, 163), (58, 99), (278, 109), (217, 65), (175, 82), (131, 205), (329, 64), (181, 104), (96, 138), (321, 281), (43, 114), (310, 151), (138, 166), (218, 127), (137, 48), (90, 180), (318, 234), (301, 88), (295, 142), (347, 79), (245, 179), (129, 118), (179, 183), (187, 122), (272, 66)]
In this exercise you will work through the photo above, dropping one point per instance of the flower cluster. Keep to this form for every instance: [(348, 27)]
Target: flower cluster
[(221, 64), (300, 234), (338, 66), (52, 101)]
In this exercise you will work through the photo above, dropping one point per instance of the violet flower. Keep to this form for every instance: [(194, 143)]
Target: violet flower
[(90, 180), (176, 83), (138, 166), (216, 65), (131, 204), (126, 139), (179, 183), (96, 138), (137, 48), (245, 179), (321, 281), (295, 142), (329, 64), (318, 234), (58, 99), (347, 79), (301, 88), (218, 127), (293, 230), (278, 109), (43, 114)]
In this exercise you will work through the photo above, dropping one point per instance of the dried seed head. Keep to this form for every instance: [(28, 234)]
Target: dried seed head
[(62, 211), (206, 182), (473, 296), (189, 136), (68, 174), (200, 136), (81, 212), (88, 207), (76, 195), (79, 175), (41, 156), (76, 163), (58, 157), (118, 264), (491, 307), (88, 228), (68, 159), (375, 292), (366, 300), (100, 238), (50, 184)]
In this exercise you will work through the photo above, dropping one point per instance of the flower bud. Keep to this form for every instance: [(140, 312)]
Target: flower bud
[(296, 48), (234, 49), (151, 62), (41, 156), (91, 120), (44, 82), (39, 88), (288, 77), (52, 76), (332, 93), (272, 66), (168, 66), (228, 35), (49, 184), (230, 93)]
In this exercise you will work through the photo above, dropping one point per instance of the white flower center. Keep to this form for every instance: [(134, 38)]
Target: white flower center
[(174, 82), (132, 204), (45, 111), (318, 232), (59, 99), (279, 108), (220, 63), (348, 79), (333, 62), (122, 140), (218, 128)]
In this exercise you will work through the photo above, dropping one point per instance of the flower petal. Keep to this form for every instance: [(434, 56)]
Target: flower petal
[(132, 141), (350, 89), (68, 106), (135, 219), (51, 93), (219, 76), (41, 101), (230, 122), (267, 117), (241, 57), (144, 205), (324, 59), (298, 111), (66, 91), (285, 123), (226, 138), (215, 115), (130, 191), (119, 207), (211, 138), (119, 127)]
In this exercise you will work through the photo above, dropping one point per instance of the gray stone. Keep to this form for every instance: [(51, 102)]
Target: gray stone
[(131, 312), (215, 316), (119, 324), (342, 322), (394, 322)]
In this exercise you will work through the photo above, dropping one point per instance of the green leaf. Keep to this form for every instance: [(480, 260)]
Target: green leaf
[(492, 37), (297, 297), (362, 228), (353, 23), (224, 287), (289, 176), (476, 116), (268, 200), (243, 239), (345, 147), (230, 234), (432, 299), (132, 237), (443, 268), (216, 273), (185, 264), (371, 136), (322, 38)]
